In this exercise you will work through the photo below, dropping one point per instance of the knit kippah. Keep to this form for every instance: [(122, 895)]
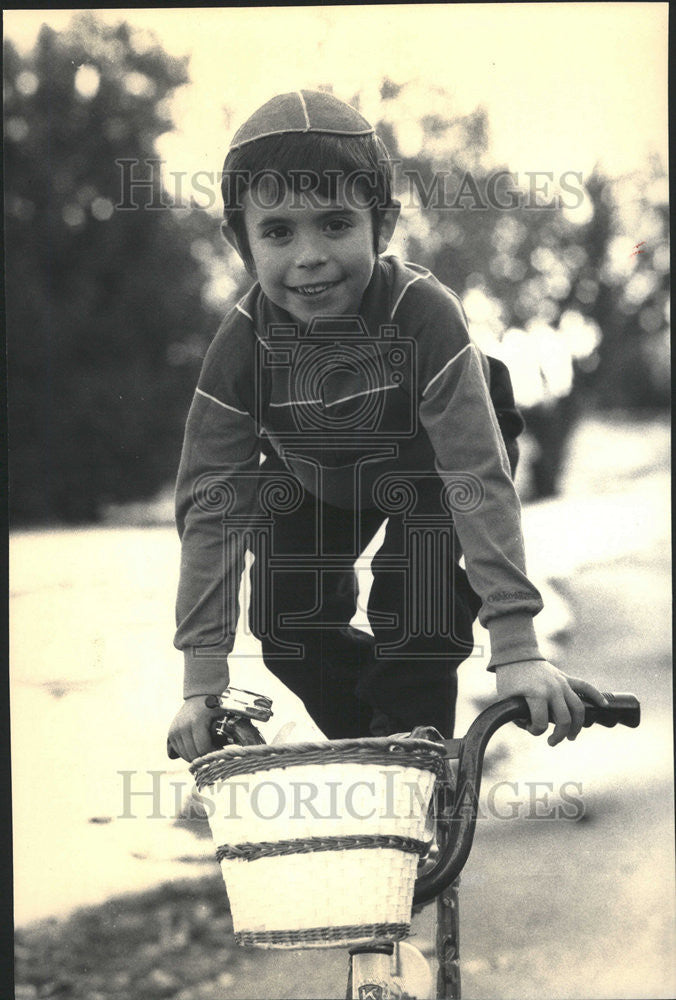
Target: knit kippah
[(301, 111)]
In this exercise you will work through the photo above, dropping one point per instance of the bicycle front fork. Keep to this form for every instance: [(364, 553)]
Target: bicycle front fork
[(448, 943), (388, 970)]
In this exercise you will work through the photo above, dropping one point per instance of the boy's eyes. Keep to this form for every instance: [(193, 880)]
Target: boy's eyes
[(280, 232), (337, 225), (277, 232)]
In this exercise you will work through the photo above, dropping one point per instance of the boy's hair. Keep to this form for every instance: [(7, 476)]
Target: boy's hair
[(308, 163)]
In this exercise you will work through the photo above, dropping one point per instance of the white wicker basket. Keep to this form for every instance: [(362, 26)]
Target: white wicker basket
[(319, 843)]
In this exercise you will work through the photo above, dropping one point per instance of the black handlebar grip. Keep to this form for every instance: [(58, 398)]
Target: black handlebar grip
[(622, 708)]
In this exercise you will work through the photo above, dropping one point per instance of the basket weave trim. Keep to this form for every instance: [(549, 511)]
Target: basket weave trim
[(309, 845), (322, 935), (236, 760)]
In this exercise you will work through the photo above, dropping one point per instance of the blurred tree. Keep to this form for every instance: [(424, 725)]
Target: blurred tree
[(577, 308), (110, 309), (633, 295), (106, 318)]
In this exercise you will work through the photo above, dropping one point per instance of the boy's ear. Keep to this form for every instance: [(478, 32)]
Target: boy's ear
[(388, 221), (231, 238), (228, 234)]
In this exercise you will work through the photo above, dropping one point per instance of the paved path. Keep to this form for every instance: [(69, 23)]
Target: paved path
[(94, 682)]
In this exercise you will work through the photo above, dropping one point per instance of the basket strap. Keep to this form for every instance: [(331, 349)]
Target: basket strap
[(321, 935), (310, 845)]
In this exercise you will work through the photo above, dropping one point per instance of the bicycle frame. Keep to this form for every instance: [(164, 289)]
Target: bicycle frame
[(375, 967), (469, 751), (370, 965)]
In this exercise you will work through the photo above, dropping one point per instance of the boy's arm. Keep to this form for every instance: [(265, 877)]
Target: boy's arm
[(461, 422), (216, 494), (216, 500), (457, 414)]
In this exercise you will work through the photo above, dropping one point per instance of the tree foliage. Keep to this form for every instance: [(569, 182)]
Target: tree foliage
[(98, 299), (603, 273)]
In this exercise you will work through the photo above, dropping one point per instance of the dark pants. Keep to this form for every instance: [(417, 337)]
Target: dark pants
[(421, 609)]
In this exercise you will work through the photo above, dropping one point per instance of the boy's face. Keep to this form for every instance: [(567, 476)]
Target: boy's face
[(313, 255)]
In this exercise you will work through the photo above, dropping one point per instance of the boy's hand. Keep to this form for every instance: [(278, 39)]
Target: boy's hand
[(550, 694), (189, 732)]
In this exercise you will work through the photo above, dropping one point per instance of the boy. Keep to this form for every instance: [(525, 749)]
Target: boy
[(341, 392)]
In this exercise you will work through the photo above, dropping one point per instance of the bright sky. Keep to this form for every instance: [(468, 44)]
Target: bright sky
[(565, 84)]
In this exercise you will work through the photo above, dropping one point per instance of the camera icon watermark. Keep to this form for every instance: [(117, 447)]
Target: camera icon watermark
[(336, 381)]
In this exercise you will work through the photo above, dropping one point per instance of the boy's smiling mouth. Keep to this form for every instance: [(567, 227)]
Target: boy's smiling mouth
[(310, 290)]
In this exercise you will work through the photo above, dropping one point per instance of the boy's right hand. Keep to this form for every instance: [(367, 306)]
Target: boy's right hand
[(189, 732)]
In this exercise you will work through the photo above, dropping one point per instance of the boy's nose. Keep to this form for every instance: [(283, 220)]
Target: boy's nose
[(310, 255)]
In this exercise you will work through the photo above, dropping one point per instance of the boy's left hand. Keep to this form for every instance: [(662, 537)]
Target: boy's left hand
[(551, 696)]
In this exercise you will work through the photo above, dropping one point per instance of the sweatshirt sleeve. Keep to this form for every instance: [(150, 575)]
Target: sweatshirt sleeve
[(457, 413), (216, 501)]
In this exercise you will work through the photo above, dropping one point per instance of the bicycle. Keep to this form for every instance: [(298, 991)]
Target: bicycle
[(385, 969)]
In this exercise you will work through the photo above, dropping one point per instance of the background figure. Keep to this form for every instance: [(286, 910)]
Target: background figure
[(542, 367), (551, 424)]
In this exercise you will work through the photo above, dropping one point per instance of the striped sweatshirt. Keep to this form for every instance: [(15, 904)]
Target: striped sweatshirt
[(351, 405)]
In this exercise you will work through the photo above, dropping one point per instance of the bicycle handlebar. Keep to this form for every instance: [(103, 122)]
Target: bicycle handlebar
[(236, 726), (622, 708)]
